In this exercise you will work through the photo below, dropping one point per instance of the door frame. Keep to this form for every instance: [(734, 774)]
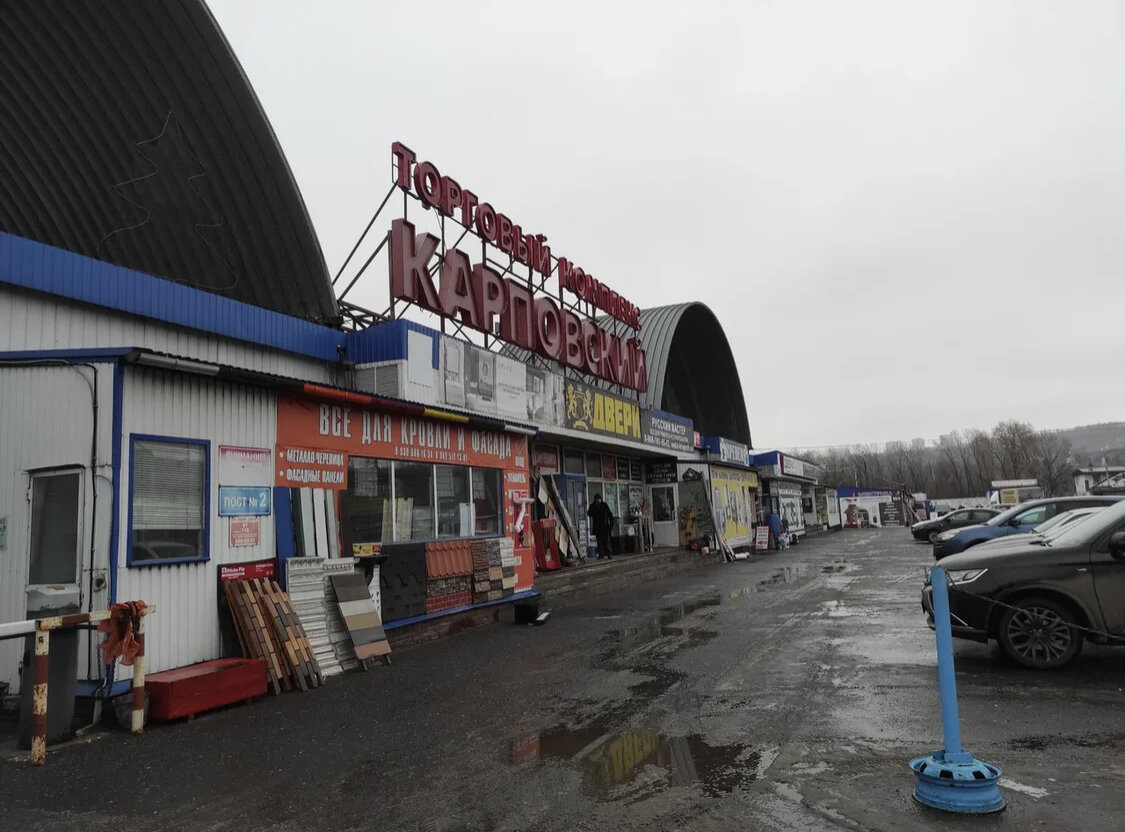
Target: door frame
[(82, 554)]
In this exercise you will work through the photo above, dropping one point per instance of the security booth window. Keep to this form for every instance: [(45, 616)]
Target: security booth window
[(414, 501), (56, 505), (168, 509), (454, 507), (487, 505), (367, 504)]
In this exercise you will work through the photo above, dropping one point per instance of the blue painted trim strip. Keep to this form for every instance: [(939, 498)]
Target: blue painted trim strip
[(283, 532), (417, 619), (115, 520), (86, 688), (42, 268), (177, 440), (66, 355)]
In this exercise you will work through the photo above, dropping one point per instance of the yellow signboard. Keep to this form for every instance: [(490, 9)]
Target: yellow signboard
[(1009, 496), (594, 411)]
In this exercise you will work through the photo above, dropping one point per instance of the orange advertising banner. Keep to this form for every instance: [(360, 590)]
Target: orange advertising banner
[(331, 432)]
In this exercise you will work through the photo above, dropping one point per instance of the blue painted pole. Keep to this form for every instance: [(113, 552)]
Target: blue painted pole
[(947, 680), (952, 779)]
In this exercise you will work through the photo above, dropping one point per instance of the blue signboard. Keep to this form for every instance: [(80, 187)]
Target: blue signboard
[(244, 500)]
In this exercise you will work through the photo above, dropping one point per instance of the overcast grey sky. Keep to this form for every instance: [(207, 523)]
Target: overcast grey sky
[(908, 216)]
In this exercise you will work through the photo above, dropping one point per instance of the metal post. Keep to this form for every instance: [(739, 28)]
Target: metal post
[(947, 678), (139, 678), (952, 779), (39, 698)]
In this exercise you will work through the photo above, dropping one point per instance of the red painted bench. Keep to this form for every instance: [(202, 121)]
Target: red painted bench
[(187, 691)]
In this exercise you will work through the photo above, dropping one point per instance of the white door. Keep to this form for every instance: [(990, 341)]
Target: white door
[(665, 515)]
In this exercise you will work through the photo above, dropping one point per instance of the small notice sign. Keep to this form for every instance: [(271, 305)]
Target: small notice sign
[(762, 538), (245, 531), (244, 571)]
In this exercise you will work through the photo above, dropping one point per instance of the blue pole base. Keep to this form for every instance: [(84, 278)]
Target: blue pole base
[(957, 783)]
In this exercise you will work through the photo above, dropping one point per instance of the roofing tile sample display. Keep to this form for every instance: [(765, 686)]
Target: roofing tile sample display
[(360, 616)]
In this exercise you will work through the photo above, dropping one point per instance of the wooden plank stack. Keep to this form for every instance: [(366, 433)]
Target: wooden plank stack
[(269, 629)]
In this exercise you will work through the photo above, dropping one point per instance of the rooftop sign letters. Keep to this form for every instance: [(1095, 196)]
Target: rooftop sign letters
[(482, 299)]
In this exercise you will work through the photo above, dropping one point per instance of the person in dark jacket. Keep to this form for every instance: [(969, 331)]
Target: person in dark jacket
[(601, 522)]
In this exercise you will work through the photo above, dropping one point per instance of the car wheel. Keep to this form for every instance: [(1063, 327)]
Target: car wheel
[(1039, 633), (933, 536)]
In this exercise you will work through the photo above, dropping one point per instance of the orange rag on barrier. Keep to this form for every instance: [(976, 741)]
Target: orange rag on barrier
[(122, 626)]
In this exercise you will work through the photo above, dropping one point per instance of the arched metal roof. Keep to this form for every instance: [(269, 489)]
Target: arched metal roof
[(129, 133), (691, 370)]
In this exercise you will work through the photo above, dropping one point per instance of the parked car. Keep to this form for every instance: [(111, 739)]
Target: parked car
[(930, 529), (1047, 530), (1032, 599), (1017, 519)]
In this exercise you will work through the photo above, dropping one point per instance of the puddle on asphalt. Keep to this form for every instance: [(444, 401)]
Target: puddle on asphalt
[(784, 575), (629, 766), (625, 639)]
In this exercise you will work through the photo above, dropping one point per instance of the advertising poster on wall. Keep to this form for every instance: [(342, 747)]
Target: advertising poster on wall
[(453, 371), (789, 500), (480, 380), (546, 403), (511, 388), (696, 518), (733, 494), (861, 512)]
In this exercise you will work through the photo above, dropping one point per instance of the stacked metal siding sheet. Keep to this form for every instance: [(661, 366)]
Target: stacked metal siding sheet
[(508, 566), (315, 603), (479, 549)]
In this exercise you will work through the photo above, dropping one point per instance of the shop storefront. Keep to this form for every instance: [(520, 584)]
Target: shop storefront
[(733, 489), (406, 482), (789, 491), (599, 450)]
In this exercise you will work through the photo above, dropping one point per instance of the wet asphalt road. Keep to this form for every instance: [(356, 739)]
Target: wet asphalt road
[(782, 693)]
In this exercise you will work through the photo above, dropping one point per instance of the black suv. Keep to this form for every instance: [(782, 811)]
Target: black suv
[(930, 529), (1032, 598)]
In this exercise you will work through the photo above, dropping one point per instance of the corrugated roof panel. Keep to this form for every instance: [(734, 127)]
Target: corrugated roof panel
[(130, 133)]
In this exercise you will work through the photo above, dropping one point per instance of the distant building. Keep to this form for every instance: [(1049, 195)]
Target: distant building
[(1013, 492), (1085, 479)]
